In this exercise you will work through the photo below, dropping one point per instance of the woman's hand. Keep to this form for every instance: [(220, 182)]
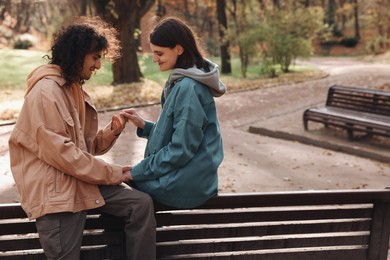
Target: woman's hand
[(118, 123), (132, 116), (126, 174)]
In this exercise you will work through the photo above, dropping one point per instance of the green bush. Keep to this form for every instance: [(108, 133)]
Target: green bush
[(22, 44), (349, 42), (287, 36)]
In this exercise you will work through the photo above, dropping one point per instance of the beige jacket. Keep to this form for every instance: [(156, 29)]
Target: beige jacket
[(52, 158)]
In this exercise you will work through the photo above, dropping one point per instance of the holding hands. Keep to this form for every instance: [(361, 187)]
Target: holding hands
[(132, 116), (126, 174), (118, 123)]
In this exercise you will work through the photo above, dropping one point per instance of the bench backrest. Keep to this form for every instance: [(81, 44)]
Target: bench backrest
[(359, 99), (285, 225), (298, 225)]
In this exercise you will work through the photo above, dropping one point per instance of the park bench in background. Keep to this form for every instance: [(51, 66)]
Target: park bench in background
[(355, 110), (349, 224)]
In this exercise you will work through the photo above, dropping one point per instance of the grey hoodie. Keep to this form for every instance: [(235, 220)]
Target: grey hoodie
[(210, 79)]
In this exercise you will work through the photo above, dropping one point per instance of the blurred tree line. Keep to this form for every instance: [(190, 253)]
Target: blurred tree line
[(271, 32)]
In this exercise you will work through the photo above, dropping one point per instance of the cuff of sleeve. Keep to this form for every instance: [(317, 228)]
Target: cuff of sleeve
[(116, 174), (109, 134), (146, 131), (136, 172)]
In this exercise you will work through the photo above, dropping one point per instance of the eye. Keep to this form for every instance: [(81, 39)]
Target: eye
[(96, 57)]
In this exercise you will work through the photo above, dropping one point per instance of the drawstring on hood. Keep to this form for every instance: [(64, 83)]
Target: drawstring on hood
[(210, 79)]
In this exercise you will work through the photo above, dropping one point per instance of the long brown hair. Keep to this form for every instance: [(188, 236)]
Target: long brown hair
[(172, 31)]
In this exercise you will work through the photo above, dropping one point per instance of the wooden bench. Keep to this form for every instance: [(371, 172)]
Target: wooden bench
[(355, 110), (346, 224)]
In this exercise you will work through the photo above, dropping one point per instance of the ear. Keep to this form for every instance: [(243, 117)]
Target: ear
[(179, 49)]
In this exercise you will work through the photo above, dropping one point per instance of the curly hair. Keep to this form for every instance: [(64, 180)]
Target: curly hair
[(80, 37)]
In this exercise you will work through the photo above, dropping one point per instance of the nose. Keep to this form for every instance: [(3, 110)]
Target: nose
[(155, 58), (98, 64)]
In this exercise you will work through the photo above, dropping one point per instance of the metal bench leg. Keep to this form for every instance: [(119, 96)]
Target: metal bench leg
[(305, 124), (305, 120), (326, 125), (369, 132), (350, 131)]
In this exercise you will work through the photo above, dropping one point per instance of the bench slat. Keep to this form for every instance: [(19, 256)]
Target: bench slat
[(17, 228), (336, 253), (262, 214), (32, 241), (352, 116), (257, 229), (292, 198), (226, 245), (87, 253)]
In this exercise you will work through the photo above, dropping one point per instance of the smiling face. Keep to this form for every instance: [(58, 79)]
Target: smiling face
[(92, 62), (166, 57)]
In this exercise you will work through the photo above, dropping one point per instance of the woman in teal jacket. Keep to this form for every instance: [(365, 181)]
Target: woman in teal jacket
[(184, 148)]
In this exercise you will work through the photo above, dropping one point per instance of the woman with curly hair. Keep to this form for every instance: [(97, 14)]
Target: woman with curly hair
[(54, 143)]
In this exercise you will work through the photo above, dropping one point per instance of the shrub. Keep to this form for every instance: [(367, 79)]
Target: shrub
[(22, 44), (349, 42)]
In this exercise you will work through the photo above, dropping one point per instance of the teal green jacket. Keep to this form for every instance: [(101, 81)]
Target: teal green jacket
[(184, 148)]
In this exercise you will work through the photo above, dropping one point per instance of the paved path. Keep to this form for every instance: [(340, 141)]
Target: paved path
[(256, 162)]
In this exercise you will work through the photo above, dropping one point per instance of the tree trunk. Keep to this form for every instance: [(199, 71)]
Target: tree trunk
[(126, 69), (277, 3), (83, 7), (330, 12), (222, 22), (126, 16), (356, 14)]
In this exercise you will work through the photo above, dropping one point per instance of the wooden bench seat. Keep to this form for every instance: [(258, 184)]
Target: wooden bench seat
[(355, 110), (349, 224)]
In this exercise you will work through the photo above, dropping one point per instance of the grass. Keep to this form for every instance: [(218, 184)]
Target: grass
[(16, 65)]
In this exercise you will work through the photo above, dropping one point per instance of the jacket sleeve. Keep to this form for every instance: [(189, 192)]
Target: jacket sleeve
[(101, 142), (49, 139), (188, 122), (104, 140), (144, 133)]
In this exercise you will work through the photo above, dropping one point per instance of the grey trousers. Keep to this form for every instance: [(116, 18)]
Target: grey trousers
[(60, 234)]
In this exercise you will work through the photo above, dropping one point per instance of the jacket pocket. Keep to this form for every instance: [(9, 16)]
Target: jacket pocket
[(58, 180), (70, 127), (54, 180), (61, 186)]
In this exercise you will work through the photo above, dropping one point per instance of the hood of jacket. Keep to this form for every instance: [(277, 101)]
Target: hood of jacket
[(209, 78), (41, 72)]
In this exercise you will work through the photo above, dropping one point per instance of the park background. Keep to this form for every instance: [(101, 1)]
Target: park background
[(255, 42), (283, 57)]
